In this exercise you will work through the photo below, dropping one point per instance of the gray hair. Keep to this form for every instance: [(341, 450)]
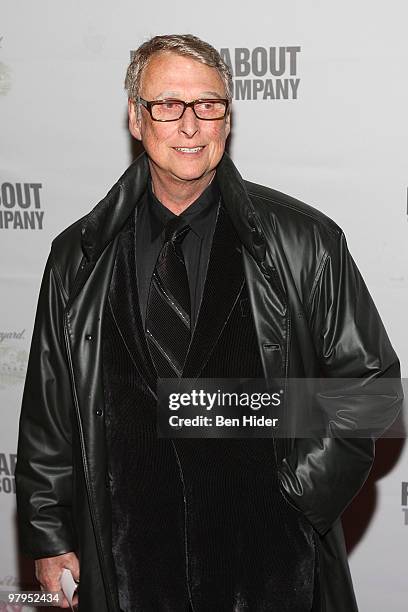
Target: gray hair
[(186, 45)]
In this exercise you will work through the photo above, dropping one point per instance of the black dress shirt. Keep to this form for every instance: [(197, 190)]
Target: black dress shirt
[(152, 216)]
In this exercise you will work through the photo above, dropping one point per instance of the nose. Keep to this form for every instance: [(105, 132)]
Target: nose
[(189, 124)]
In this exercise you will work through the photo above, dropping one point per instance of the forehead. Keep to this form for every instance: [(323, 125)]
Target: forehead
[(172, 74)]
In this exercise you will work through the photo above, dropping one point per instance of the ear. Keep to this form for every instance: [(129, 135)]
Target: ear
[(228, 124), (134, 120)]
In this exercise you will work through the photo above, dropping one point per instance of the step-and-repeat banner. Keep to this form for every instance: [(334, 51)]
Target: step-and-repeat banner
[(319, 113)]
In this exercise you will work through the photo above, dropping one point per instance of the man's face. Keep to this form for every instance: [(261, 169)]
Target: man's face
[(169, 75)]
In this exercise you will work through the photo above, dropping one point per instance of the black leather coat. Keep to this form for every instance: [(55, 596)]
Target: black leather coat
[(313, 316)]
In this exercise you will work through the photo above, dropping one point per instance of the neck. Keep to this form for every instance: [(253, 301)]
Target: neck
[(177, 195)]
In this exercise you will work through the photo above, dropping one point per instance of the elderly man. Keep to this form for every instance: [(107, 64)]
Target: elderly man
[(186, 270)]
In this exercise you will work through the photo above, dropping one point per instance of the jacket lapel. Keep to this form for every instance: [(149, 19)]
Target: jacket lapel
[(124, 302), (222, 287)]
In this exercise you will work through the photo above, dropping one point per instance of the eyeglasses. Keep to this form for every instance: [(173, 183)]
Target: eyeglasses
[(172, 110)]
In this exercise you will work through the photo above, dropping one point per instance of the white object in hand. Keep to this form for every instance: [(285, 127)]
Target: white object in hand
[(68, 585)]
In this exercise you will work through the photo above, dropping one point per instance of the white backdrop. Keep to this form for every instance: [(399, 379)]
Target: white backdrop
[(331, 131)]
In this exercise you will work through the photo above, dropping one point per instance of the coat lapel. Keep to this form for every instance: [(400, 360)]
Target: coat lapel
[(222, 287)]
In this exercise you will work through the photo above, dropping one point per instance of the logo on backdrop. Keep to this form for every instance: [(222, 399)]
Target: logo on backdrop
[(404, 501), (264, 73), (9, 581), (5, 75), (20, 206), (7, 469), (13, 358)]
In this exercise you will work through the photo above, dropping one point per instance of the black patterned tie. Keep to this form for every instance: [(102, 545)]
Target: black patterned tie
[(168, 306)]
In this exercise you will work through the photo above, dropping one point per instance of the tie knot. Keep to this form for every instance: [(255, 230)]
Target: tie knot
[(175, 230)]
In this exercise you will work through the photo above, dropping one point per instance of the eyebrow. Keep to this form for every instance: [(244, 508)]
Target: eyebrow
[(175, 94)]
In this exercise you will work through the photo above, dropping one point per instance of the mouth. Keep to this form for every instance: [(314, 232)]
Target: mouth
[(188, 150)]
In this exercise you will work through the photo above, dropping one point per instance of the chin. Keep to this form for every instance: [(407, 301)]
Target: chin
[(191, 174)]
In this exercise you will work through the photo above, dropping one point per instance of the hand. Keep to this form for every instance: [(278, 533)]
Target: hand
[(48, 572)]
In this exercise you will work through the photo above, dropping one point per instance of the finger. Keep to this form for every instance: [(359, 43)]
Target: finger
[(75, 573), (64, 604), (52, 585), (73, 565)]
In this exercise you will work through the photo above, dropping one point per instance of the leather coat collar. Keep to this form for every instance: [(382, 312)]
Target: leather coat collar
[(107, 218)]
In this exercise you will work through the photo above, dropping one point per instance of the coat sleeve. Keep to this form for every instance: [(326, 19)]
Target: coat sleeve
[(322, 475), (44, 454)]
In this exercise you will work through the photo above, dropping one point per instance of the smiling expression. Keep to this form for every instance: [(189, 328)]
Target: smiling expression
[(189, 149)]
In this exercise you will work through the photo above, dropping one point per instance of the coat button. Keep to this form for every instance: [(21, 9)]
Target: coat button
[(99, 412)]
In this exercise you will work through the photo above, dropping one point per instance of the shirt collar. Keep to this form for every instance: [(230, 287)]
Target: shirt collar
[(196, 214)]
